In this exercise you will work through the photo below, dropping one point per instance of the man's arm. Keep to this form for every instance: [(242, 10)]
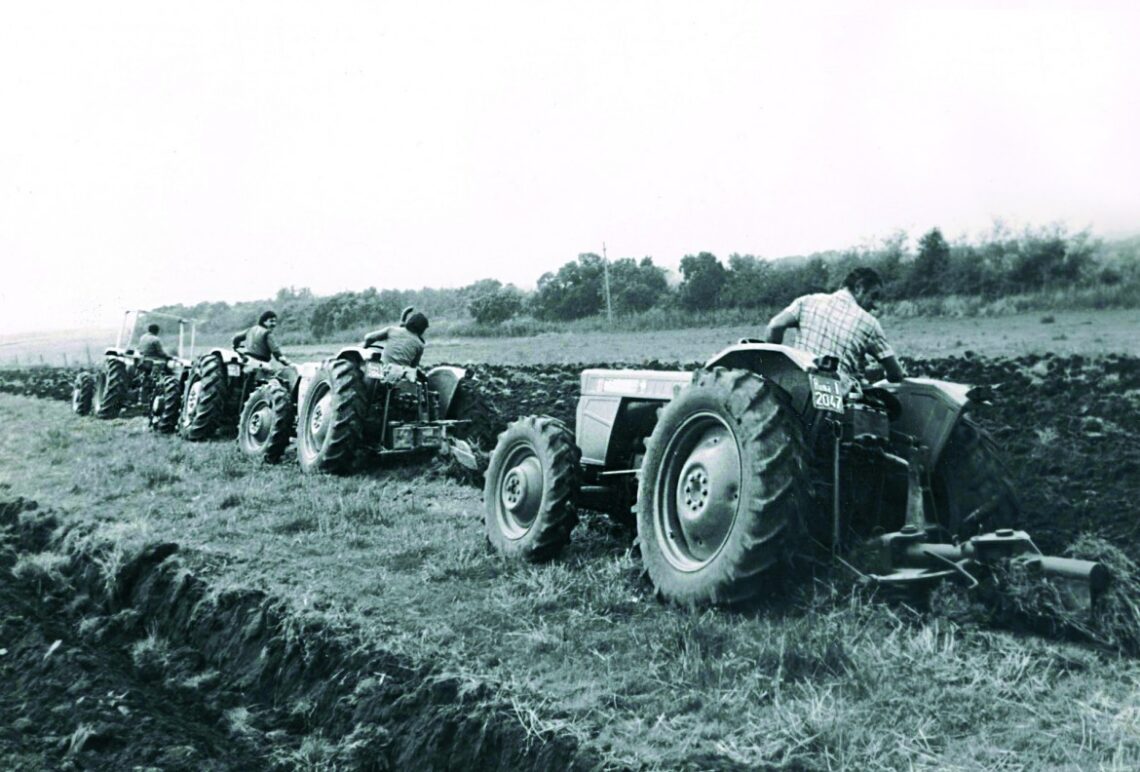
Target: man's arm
[(893, 369), (238, 339), (779, 324), (274, 349), (375, 337)]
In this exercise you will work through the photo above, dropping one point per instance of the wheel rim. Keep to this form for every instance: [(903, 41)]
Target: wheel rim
[(260, 421), (519, 492), (192, 399), (698, 492), (156, 404), (318, 417)]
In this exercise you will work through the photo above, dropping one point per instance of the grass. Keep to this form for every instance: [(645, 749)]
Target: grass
[(579, 646)]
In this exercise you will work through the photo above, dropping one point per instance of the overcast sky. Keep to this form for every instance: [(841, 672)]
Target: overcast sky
[(160, 152)]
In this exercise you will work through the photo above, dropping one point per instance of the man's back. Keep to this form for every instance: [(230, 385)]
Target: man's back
[(150, 345), (402, 347), (834, 324), (257, 342)]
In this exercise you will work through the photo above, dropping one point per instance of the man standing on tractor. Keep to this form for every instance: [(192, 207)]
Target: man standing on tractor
[(403, 344), (840, 324), (258, 341), (150, 345)]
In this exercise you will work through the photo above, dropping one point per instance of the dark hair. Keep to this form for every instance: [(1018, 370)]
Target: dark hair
[(265, 317), (417, 323), (863, 278), (406, 313), (152, 329)]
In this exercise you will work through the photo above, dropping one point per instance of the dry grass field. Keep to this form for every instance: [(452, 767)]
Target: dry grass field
[(1061, 333)]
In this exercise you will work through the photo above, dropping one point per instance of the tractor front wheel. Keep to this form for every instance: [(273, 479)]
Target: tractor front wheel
[(110, 389), (165, 405), (266, 424), (723, 490), (330, 428), (83, 394), (530, 489)]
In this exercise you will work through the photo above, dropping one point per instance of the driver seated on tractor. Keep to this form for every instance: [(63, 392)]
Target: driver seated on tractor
[(257, 342), (840, 324), (150, 345), (403, 344)]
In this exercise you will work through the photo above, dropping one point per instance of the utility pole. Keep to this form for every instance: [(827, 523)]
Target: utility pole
[(606, 274)]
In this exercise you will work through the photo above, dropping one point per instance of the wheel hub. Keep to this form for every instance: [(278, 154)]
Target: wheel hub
[(192, 397), (701, 493), (318, 423), (259, 423), (520, 496)]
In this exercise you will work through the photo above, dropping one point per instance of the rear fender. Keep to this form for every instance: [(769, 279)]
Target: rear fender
[(930, 409), (782, 365), (359, 354), (444, 380)]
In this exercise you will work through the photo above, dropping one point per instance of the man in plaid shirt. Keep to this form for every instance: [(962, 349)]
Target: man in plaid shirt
[(839, 324)]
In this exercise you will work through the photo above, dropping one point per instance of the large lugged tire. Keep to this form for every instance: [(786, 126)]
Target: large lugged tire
[(205, 401), (530, 488), (110, 389), (266, 424), (972, 488), (724, 490), (165, 406), (83, 394), (330, 429)]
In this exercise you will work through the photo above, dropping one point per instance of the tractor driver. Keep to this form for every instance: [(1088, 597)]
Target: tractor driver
[(150, 345), (840, 324), (258, 342), (403, 344)]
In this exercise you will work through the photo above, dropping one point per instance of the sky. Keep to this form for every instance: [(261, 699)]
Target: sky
[(158, 152)]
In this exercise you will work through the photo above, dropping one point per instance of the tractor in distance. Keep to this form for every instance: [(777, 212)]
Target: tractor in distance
[(764, 455), (127, 379), (353, 405)]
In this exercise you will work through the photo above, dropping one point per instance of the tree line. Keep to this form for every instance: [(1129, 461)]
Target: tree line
[(1002, 264)]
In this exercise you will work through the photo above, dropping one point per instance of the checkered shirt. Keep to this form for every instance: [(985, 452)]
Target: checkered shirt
[(834, 324)]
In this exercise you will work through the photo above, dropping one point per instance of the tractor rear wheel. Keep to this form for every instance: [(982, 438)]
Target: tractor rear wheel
[(165, 405), (110, 389), (83, 394), (723, 490), (266, 424), (530, 489), (470, 404), (205, 399), (972, 489), (330, 428)]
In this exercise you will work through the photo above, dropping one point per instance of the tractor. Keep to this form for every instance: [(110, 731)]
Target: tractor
[(763, 456), (127, 379), (354, 405), (216, 387)]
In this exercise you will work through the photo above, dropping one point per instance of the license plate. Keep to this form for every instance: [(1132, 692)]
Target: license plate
[(826, 394), (234, 370), (373, 370)]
